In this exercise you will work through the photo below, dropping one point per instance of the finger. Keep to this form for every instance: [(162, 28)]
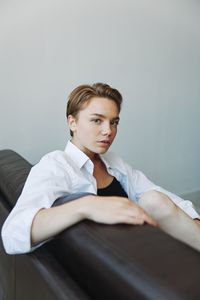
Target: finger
[(150, 221), (133, 220)]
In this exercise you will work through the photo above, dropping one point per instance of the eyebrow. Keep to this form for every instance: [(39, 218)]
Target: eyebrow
[(102, 116)]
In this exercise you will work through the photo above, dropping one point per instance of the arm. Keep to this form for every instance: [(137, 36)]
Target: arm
[(47, 181), (108, 210), (50, 221), (142, 185)]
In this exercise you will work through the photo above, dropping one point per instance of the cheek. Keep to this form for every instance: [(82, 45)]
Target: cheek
[(114, 132), (86, 130)]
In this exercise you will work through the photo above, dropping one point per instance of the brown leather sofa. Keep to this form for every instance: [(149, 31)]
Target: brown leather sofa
[(94, 261)]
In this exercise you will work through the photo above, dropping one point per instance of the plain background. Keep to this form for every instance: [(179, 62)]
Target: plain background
[(148, 49)]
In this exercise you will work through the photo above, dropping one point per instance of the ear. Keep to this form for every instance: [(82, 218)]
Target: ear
[(71, 122)]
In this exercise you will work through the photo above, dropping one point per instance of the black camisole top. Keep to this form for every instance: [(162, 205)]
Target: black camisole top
[(113, 189)]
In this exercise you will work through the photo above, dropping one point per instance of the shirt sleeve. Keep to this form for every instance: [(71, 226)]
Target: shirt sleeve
[(47, 181), (142, 184)]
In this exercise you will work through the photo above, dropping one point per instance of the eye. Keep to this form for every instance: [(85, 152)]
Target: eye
[(114, 123), (96, 121)]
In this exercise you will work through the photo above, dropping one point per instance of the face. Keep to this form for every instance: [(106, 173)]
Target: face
[(95, 127)]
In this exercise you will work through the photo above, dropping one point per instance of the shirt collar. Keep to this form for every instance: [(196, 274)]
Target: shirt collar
[(112, 162), (78, 156), (81, 159)]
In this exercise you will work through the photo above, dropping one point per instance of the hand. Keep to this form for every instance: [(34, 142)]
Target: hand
[(113, 210)]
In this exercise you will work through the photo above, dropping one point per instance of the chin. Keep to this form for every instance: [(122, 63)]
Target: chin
[(103, 150)]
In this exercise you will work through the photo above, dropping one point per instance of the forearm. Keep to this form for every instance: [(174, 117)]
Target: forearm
[(107, 210), (51, 221)]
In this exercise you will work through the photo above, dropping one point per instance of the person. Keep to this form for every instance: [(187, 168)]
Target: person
[(118, 193)]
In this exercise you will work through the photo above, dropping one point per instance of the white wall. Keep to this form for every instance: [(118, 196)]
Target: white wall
[(148, 49)]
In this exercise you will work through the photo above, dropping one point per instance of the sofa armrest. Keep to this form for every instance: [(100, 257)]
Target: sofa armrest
[(128, 262)]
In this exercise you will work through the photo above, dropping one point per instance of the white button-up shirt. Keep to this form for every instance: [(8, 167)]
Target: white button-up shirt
[(60, 173)]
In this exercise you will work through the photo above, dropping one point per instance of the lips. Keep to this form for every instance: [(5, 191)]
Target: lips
[(104, 143)]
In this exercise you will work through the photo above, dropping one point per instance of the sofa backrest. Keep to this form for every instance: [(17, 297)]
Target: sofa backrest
[(14, 170)]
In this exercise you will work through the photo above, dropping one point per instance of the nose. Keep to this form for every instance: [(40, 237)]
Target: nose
[(106, 129)]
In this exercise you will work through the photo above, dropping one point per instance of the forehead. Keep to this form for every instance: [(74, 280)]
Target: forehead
[(100, 105)]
